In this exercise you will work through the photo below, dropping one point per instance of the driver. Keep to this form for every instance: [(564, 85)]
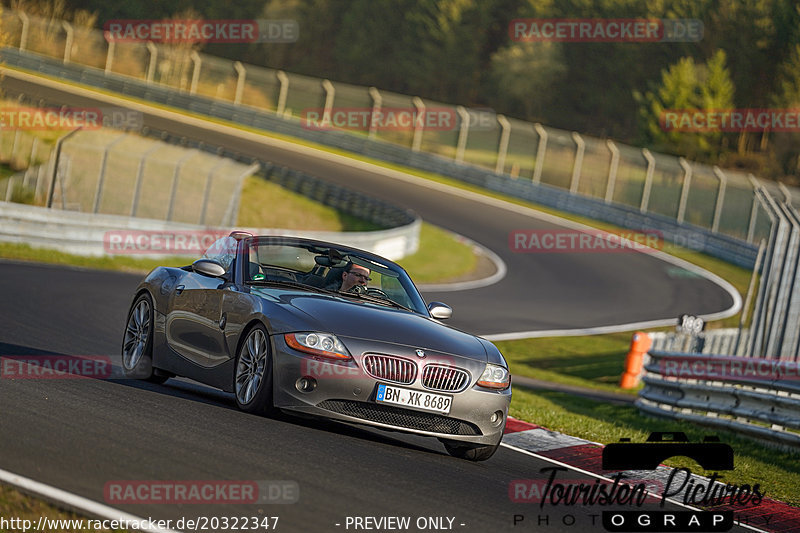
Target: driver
[(353, 276)]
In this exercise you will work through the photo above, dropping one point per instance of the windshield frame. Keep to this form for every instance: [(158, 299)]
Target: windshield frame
[(362, 257)]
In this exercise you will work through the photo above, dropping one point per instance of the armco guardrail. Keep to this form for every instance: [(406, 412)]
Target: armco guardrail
[(98, 234), (725, 247), (718, 391)]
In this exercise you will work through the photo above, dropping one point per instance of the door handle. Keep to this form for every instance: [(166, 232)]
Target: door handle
[(179, 289)]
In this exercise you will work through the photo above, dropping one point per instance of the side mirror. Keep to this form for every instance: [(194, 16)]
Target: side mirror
[(440, 310), (208, 267)]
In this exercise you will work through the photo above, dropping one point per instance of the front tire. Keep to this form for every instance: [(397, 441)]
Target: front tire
[(253, 373), (470, 452), (137, 343)]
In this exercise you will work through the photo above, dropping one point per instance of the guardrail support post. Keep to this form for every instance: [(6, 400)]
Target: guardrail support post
[(687, 181), (283, 92), (613, 167), (196, 64), (151, 66), (723, 182), (580, 148), (377, 102), (241, 74), (540, 152), (54, 173), (419, 124), (102, 176), (69, 40), (463, 132), (502, 149)]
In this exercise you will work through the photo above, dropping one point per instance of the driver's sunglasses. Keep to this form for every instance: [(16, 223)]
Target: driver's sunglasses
[(362, 276)]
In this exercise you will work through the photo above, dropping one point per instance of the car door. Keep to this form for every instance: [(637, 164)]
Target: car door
[(195, 321)]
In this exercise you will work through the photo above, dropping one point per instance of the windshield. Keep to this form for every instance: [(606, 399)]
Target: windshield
[(331, 269)]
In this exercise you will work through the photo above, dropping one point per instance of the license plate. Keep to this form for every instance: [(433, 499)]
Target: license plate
[(426, 401)]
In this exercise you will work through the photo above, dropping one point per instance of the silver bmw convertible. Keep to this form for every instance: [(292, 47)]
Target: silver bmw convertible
[(321, 329)]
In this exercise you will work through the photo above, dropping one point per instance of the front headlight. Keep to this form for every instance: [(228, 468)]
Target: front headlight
[(495, 377), (321, 344)]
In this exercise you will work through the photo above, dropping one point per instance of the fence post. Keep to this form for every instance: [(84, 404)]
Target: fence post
[(723, 182), (139, 176), (54, 173), (613, 167), (233, 205), (751, 226), (175, 176), (283, 93), (207, 192), (151, 66), (687, 180), (377, 102), (196, 64), (540, 152), (69, 40), (32, 158), (112, 45), (26, 23), (102, 176), (330, 94), (502, 150), (241, 74), (463, 132), (580, 147), (419, 124), (648, 180)]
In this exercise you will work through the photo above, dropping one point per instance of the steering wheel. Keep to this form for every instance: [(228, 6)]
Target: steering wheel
[(377, 292)]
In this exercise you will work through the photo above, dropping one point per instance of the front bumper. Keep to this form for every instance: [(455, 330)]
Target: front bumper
[(344, 391)]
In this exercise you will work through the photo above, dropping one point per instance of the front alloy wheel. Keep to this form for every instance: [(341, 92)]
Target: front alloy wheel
[(253, 378)]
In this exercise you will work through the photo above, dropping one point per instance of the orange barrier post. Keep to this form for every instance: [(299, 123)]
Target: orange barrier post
[(640, 344)]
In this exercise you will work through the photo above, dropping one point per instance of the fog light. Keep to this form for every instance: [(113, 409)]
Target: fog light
[(496, 419), (306, 384)]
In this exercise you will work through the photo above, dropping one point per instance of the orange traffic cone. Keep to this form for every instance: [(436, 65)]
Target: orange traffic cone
[(640, 344)]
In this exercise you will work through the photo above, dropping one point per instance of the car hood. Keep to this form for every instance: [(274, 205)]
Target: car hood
[(366, 321)]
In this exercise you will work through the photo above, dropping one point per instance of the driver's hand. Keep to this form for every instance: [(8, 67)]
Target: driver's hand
[(358, 289)]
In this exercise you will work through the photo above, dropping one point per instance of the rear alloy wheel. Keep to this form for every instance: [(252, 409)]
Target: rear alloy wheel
[(253, 377), (137, 344), (470, 452)]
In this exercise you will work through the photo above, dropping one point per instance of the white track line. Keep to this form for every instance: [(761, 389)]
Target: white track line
[(393, 174), (74, 501)]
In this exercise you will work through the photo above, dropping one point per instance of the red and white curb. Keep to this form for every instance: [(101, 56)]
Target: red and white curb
[(586, 456)]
